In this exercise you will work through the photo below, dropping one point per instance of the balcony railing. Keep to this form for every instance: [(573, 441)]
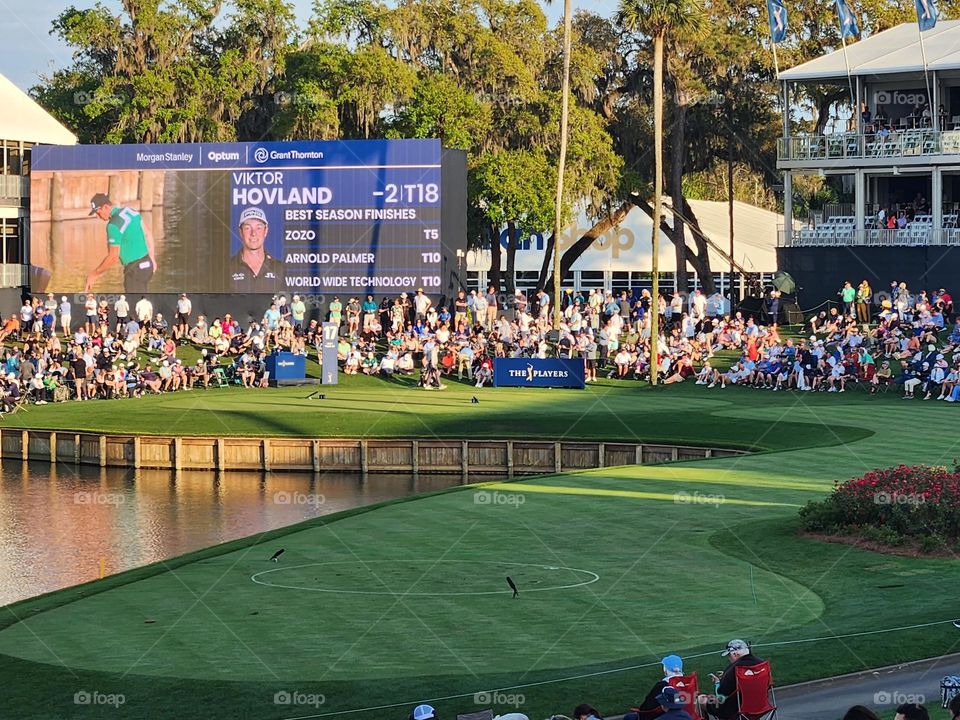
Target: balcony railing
[(14, 275), (919, 233), (899, 143), (13, 188)]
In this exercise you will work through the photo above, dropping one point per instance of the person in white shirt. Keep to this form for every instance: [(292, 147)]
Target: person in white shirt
[(65, 313), (122, 309), (184, 309), (144, 311)]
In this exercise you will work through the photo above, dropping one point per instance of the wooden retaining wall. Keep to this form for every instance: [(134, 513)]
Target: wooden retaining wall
[(494, 457)]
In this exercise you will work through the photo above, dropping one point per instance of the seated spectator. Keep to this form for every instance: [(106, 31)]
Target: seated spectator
[(859, 712), (150, 380), (911, 711), (672, 703), (726, 705), (586, 712), (650, 707)]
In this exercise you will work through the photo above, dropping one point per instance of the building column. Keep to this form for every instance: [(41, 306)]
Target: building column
[(857, 119), (936, 198), (787, 208), (935, 104), (860, 198)]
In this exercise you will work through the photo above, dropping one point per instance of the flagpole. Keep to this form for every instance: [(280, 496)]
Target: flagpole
[(846, 61), (926, 74), (776, 63)]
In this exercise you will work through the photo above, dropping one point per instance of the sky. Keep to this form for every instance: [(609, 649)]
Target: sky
[(29, 51)]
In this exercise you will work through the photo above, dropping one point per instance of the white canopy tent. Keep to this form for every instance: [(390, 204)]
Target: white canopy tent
[(628, 246), (892, 51)]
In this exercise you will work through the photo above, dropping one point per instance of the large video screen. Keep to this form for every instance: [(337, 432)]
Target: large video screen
[(335, 217)]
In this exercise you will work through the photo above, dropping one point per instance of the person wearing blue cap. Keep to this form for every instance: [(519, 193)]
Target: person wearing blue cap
[(650, 707), (423, 712), (252, 269), (673, 706)]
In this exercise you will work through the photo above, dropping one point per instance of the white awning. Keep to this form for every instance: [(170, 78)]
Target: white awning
[(896, 50), (24, 120)]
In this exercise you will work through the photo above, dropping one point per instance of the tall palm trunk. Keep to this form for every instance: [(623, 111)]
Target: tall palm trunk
[(564, 122), (657, 201)]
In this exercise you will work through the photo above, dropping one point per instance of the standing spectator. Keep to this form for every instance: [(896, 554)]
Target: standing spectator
[(26, 316), (369, 308), (847, 296), (492, 307), (421, 304), (298, 311), (65, 312), (144, 310), (184, 310), (353, 317), (336, 311), (460, 308), (122, 310), (864, 294), (480, 309)]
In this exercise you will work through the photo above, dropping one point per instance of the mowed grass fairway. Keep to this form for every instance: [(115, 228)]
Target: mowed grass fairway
[(378, 609)]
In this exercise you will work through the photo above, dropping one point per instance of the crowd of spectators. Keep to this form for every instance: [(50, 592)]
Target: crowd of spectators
[(677, 696), (102, 350)]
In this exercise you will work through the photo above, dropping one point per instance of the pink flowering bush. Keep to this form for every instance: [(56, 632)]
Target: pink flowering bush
[(903, 505)]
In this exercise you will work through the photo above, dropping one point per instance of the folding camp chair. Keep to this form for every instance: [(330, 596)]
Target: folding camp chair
[(688, 691), (755, 690), (219, 377)]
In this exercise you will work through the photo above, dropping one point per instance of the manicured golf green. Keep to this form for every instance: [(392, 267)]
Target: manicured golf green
[(374, 610)]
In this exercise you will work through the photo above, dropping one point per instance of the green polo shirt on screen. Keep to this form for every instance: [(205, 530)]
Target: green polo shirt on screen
[(125, 230)]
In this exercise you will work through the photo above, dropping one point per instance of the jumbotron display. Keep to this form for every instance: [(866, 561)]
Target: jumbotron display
[(347, 217)]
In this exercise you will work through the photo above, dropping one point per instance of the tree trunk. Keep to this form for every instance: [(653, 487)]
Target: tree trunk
[(561, 163), (493, 275), (657, 201), (511, 257), (699, 260), (582, 244), (678, 152)]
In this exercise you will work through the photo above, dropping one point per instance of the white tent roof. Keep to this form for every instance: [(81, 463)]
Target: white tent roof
[(628, 247), (23, 119), (896, 50)]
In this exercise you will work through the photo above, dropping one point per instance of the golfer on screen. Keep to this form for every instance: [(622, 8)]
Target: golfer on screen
[(253, 269), (129, 241)]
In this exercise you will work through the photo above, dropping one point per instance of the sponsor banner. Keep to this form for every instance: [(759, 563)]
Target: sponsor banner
[(536, 372), (286, 366)]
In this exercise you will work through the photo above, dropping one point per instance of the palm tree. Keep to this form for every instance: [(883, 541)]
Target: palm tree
[(656, 19), (564, 125)]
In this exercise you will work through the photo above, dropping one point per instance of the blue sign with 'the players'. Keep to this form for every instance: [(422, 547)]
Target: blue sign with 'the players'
[(537, 372)]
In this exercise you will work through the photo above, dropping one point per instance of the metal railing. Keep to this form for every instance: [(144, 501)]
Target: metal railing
[(14, 275), (898, 143), (14, 187), (916, 235)]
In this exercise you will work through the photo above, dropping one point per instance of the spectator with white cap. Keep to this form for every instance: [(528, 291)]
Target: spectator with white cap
[(726, 705)]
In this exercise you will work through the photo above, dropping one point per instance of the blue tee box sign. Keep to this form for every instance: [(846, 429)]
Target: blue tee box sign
[(286, 368), (536, 372)]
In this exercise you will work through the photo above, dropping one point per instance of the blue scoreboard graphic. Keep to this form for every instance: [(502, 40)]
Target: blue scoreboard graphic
[(339, 217)]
